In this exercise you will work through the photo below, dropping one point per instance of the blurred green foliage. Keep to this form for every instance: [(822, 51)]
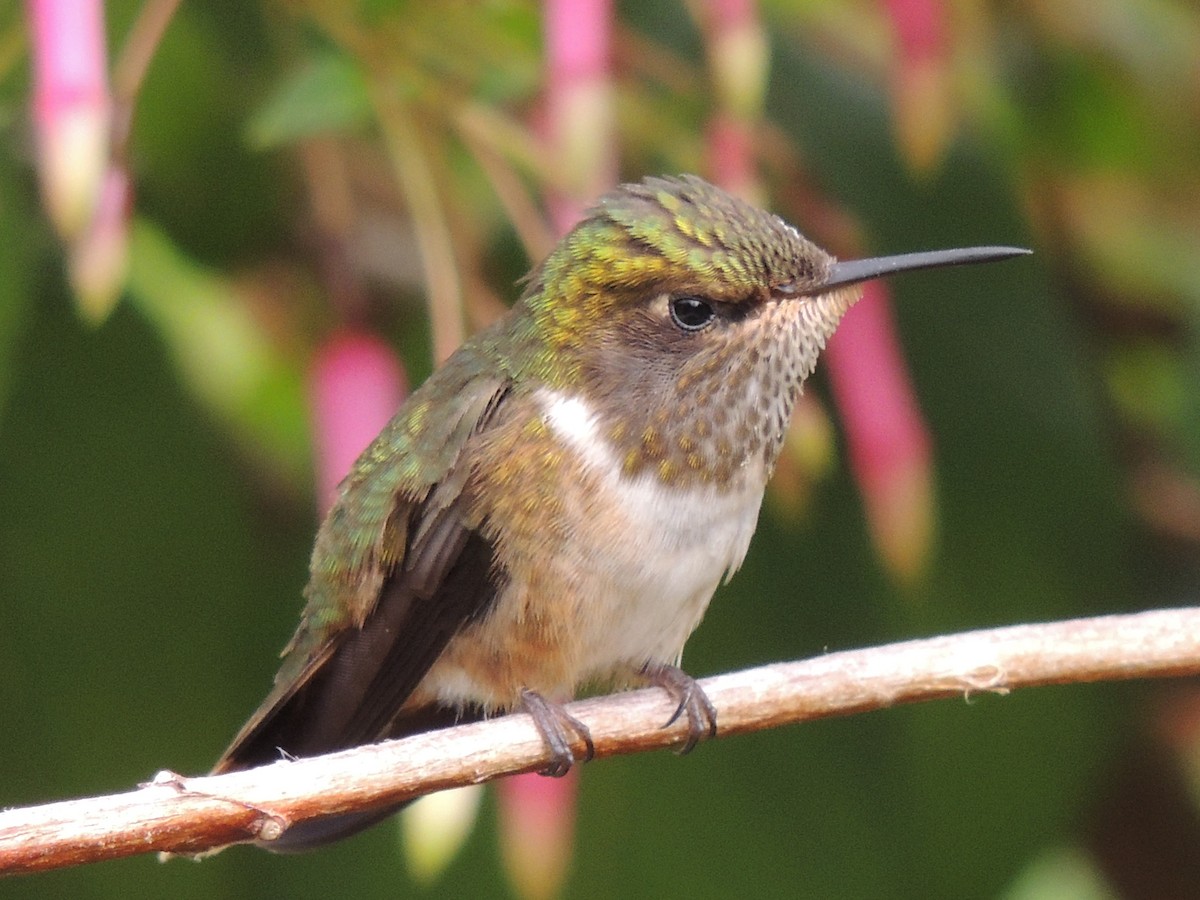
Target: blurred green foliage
[(156, 512)]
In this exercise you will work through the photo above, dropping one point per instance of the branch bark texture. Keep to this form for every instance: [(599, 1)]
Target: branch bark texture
[(179, 814)]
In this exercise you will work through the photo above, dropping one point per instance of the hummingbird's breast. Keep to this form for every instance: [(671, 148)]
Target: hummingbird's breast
[(602, 571), (657, 550)]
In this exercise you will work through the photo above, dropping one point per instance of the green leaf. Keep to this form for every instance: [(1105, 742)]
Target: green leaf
[(327, 94), (223, 354)]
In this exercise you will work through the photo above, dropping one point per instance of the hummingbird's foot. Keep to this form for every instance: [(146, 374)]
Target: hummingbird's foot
[(554, 723), (701, 714)]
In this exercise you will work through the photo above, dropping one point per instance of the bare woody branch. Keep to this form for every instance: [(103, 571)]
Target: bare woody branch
[(194, 815)]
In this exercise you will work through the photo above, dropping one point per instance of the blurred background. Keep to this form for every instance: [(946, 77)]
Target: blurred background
[(232, 233)]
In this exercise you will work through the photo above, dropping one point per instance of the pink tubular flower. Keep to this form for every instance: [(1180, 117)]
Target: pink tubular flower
[(579, 114), (730, 155), (920, 82), (889, 448), (537, 831), (920, 27), (356, 385), (738, 59), (71, 107)]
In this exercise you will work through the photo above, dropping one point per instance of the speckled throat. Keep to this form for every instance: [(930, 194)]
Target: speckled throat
[(710, 416)]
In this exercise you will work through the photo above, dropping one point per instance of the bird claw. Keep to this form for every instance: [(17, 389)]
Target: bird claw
[(701, 714), (554, 722)]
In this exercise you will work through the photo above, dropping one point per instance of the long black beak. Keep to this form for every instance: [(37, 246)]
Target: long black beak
[(854, 271)]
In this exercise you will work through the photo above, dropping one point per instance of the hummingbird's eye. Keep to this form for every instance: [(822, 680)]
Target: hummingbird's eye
[(691, 313)]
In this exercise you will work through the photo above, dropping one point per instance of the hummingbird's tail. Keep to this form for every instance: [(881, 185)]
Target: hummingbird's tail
[(316, 833)]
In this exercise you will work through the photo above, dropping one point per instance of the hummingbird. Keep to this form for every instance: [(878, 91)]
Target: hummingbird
[(556, 505)]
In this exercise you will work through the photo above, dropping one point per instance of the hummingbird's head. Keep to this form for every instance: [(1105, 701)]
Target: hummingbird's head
[(685, 320), (689, 319), (674, 238)]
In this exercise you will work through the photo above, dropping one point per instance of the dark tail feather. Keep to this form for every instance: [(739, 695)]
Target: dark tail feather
[(314, 833)]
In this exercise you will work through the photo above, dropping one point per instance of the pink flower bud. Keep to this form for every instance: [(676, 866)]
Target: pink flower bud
[(579, 116), (435, 828), (71, 108), (537, 831), (889, 446), (922, 104), (356, 386)]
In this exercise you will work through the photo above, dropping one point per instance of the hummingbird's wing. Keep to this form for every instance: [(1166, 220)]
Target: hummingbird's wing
[(399, 567)]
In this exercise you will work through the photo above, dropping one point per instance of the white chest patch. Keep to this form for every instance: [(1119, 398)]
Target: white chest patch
[(653, 553)]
